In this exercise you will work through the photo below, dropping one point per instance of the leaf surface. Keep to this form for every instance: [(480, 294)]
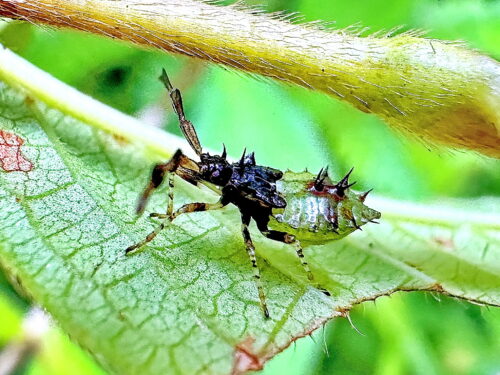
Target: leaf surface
[(187, 304)]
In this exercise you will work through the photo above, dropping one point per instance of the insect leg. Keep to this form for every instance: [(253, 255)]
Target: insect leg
[(245, 220), (170, 204), (157, 177), (187, 208), (148, 238), (170, 200), (291, 240), (197, 207)]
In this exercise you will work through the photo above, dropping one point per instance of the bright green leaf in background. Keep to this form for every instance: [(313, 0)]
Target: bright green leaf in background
[(408, 334)]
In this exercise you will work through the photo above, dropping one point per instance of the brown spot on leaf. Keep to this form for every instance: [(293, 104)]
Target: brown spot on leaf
[(244, 359), (29, 101), (11, 157), (447, 243), (343, 311), (437, 288), (120, 139)]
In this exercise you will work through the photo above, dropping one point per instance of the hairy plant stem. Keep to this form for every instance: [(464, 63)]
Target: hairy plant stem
[(438, 91)]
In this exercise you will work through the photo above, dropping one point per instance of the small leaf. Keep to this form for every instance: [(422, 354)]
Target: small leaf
[(187, 303)]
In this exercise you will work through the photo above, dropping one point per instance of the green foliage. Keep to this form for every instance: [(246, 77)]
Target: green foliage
[(65, 225), (407, 334)]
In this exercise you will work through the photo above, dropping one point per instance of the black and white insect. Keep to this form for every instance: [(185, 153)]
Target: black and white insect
[(293, 208)]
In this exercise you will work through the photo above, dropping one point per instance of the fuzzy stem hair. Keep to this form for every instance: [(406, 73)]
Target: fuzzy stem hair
[(440, 92)]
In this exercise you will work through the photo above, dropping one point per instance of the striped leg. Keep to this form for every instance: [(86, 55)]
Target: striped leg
[(291, 240), (167, 218), (251, 254), (170, 204), (148, 238), (157, 176), (170, 200)]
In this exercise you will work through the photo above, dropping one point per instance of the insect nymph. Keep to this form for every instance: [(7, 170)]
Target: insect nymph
[(289, 208)]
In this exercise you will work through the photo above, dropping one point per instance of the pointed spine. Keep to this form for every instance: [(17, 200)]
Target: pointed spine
[(353, 220), (344, 184), (320, 178), (242, 162), (363, 196), (251, 158), (224, 152)]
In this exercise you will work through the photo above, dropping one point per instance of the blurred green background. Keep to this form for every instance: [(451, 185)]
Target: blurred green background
[(293, 128)]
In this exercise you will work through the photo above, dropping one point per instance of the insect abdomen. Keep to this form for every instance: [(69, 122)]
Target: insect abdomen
[(307, 217), (318, 217)]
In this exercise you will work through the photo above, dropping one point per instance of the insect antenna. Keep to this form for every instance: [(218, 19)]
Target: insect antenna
[(185, 125)]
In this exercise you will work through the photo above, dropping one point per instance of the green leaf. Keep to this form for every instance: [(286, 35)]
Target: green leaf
[(187, 304)]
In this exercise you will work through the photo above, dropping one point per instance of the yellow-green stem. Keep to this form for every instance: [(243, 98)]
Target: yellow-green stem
[(438, 91)]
